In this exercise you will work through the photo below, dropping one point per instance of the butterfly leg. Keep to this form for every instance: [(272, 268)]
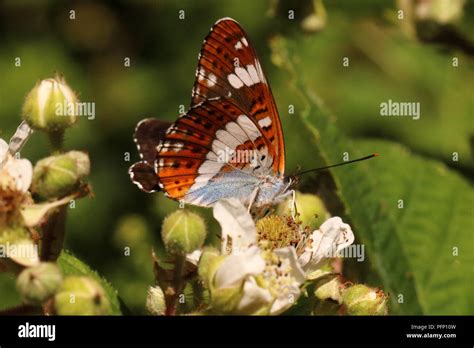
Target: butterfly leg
[(293, 208), (253, 197)]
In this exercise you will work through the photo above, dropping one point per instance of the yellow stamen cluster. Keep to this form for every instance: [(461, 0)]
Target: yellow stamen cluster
[(275, 232)]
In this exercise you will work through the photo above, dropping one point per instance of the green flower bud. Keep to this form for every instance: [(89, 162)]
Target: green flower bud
[(12, 234), (132, 230), (328, 289), (57, 176), (80, 295), (17, 245), (207, 264), (362, 300), (155, 301), (50, 106), (310, 207), (183, 232), (36, 284), (226, 300)]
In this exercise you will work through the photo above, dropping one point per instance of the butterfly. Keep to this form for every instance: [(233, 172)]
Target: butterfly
[(230, 141)]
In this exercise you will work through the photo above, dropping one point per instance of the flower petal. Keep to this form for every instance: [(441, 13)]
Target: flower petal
[(290, 261), (237, 266), (3, 151), (286, 299), (333, 236), (254, 298), (291, 291), (22, 173), (236, 223)]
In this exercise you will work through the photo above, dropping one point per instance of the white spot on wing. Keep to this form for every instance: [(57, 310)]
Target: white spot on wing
[(218, 146), (177, 147), (209, 167), (227, 138), (244, 76), (245, 42), (260, 71), (265, 122), (235, 81), (234, 129), (253, 73), (211, 80), (249, 127), (238, 45), (201, 73)]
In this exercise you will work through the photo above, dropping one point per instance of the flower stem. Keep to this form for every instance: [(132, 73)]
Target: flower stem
[(53, 235), (56, 138), (22, 309), (178, 279)]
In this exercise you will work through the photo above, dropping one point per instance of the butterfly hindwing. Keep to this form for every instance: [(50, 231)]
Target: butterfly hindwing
[(214, 137), (148, 134)]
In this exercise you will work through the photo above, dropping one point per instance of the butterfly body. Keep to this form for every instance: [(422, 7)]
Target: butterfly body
[(229, 143)]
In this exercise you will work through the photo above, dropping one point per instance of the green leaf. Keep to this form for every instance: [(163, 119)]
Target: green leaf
[(70, 265), (435, 225), (393, 238)]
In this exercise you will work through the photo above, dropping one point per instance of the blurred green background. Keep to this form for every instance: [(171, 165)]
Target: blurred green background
[(387, 61)]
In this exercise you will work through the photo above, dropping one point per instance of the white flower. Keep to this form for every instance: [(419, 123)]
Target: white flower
[(250, 278), (331, 237), (15, 174), (269, 280)]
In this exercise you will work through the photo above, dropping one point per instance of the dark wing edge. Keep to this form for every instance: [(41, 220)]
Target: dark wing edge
[(147, 136)]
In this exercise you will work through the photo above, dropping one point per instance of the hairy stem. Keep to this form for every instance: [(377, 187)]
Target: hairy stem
[(178, 286), (53, 235)]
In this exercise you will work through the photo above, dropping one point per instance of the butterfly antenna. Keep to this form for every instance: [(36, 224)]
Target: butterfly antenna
[(339, 164)]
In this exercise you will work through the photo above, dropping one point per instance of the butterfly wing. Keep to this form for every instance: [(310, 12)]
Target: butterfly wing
[(229, 67), (213, 151), (232, 112), (148, 134)]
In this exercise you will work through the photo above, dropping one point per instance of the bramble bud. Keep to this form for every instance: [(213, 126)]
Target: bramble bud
[(80, 295), (57, 176), (310, 207), (36, 284), (132, 230), (17, 245), (362, 300), (226, 300), (328, 289), (50, 105), (207, 264), (155, 301), (183, 232)]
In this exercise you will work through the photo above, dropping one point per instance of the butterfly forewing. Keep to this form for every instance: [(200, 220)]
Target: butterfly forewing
[(229, 67), (229, 143)]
